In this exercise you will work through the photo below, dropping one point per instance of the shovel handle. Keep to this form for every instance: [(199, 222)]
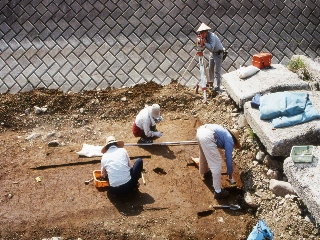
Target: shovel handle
[(221, 206)]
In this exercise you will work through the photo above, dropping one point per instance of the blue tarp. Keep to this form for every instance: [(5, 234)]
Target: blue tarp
[(261, 232), (285, 109)]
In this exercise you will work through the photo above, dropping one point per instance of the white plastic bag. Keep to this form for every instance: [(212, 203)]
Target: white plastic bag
[(245, 72)]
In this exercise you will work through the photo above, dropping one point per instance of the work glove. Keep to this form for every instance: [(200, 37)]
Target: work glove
[(157, 134), (159, 119)]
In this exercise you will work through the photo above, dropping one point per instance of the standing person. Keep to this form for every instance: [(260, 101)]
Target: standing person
[(116, 165), (213, 43), (144, 125), (211, 137)]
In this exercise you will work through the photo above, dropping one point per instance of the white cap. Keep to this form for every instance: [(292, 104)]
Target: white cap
[(203, 27)]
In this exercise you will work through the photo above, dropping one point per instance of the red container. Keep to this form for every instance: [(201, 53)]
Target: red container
[(261, 60)]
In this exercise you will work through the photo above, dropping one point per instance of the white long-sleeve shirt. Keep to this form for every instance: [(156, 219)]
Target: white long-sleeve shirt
[(116, 163), (144, 121)]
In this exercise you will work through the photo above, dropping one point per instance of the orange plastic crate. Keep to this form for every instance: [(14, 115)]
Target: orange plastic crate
[(261, 60), (98, 183)]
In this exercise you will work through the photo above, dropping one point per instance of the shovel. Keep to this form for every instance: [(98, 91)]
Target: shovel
[(233, 207), (88, 181)]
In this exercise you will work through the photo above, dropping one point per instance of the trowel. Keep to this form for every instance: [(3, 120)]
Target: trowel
[(88, 181)]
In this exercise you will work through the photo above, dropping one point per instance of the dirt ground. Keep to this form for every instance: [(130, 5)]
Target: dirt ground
[(175, 203)]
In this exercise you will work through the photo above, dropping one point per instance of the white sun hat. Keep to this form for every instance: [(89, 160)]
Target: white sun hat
[(110, 140), (203, 27)]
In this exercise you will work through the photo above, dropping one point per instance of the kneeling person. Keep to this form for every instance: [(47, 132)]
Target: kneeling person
[(144, 125), (115, 163)]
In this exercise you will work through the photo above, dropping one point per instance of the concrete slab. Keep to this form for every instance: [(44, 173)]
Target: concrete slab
[(275, 79), (305, 179), (279, 141)]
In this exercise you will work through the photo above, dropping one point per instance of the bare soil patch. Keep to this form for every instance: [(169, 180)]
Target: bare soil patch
[(175, 203)]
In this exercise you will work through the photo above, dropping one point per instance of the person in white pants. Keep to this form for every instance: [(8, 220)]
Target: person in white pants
[(211, 137)]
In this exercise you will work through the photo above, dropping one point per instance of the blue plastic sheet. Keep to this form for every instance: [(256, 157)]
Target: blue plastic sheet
[(261, 232), (285, 109)]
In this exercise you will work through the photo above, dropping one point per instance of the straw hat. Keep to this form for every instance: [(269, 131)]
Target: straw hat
[(203, 27), (235, 136), (154, 110), (109, 141)]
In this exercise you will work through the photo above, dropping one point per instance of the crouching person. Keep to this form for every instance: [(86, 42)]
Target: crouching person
[(144, 125), (211, 137), (116, 165)]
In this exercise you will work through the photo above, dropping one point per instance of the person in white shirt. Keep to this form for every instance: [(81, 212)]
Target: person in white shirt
[(144, 125), (116, 166)]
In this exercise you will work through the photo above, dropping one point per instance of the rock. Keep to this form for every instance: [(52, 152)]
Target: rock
[(27, 111), (33, 135), (280, 188), (242, 121), (81, 110), (273, 174), (260, 156), (54, 143), (37, 110), (255, 163), (314, 86), (124, 99), (9, 195), (271, 163), (50, 134), (249, 199)]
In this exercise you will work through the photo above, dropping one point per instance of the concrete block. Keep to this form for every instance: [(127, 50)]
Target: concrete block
[(305, 178), (275, 79), (279, 141)]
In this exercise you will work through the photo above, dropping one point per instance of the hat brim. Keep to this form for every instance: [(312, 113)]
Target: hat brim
[(120, 144), (236, 141)]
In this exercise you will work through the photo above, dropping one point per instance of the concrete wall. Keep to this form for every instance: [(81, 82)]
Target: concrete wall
[(77, 45)]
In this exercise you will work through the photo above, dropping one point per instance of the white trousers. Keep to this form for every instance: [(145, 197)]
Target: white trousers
[(210, 157)]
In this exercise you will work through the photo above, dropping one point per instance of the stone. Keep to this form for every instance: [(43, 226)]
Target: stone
[(271, 163), (273, 174), (54, 143), (33, 135), (249, 199), (260, 156), (280, 188), (242, 121), (37, 110)]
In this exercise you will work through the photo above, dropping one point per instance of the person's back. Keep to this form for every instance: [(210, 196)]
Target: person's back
[(115, 161), (123, 177)]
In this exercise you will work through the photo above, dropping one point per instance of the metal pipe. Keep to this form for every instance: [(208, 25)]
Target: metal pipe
[(193, 142)]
